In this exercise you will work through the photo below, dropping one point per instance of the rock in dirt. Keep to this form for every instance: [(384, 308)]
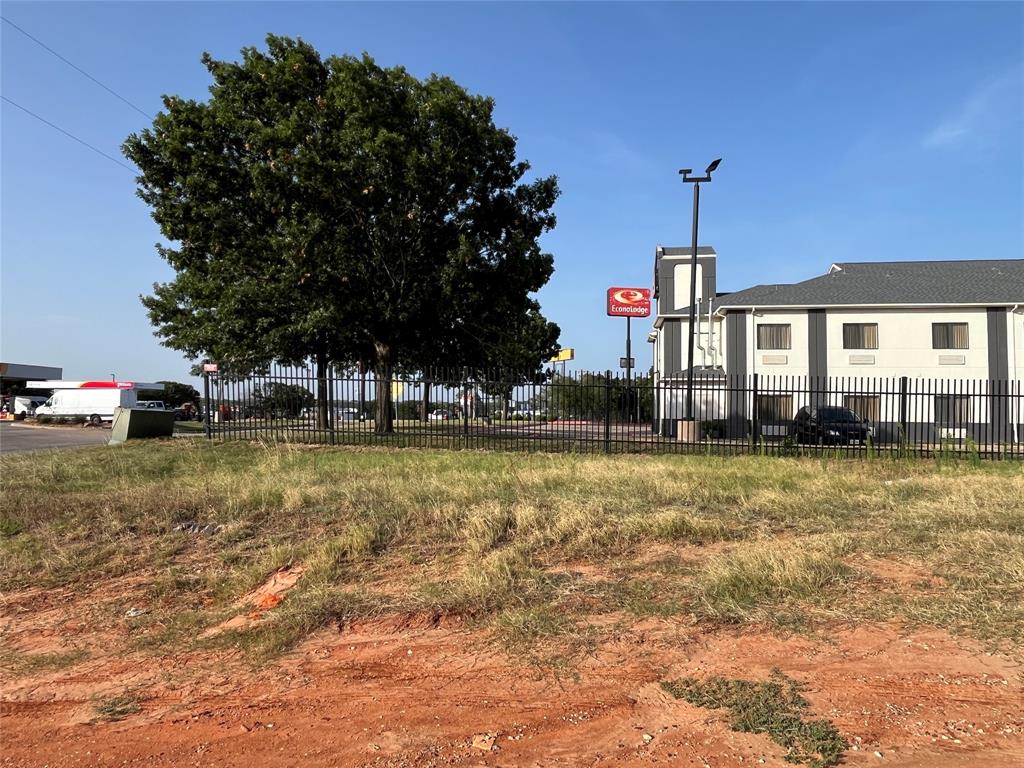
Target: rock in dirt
[(207, 530), (261, 600), (483, 741)]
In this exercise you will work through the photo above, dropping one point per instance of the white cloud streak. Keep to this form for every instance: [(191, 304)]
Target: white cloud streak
[(992, 102)]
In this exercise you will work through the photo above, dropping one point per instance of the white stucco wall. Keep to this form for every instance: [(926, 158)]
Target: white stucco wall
[(769, 362), (905, 344), (681, 282), (1015, 343)]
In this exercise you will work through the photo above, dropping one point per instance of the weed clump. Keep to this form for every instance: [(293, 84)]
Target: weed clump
[(773, 707), (117, 707)]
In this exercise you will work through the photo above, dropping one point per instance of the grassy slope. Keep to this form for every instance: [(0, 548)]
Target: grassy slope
[(534, 546)]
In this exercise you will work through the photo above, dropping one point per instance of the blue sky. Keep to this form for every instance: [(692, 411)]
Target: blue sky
[(849, 131)]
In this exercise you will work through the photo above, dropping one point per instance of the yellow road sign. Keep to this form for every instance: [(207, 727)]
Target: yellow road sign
[(564, 355)]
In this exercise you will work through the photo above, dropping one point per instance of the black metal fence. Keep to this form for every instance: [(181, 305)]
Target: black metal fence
[(604, 412)]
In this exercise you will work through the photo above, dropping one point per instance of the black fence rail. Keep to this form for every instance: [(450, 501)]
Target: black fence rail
[(585, 411)]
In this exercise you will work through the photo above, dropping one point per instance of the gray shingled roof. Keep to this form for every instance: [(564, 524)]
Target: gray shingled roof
[(987, 281)]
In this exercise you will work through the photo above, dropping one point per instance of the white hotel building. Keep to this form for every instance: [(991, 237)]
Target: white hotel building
[(949, 335)]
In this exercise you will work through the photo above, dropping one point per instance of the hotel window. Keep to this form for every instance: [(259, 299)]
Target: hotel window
[(952, 410), (775, 409), (773, 336), (860, 335), (949, 336), (865, 406)]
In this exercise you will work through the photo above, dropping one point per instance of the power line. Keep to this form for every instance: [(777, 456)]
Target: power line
[(111, 158), (110, 90)]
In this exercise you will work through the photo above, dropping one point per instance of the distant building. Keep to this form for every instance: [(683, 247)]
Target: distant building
[(880, 321), (15, 376)]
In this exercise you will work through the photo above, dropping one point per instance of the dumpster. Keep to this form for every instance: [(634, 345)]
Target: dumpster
[(132, 423)]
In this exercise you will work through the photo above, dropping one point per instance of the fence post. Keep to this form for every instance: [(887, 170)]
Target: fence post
[(466, 400), (904, 438), (755, 415), (331, 412), (608, 411), (206, 404)]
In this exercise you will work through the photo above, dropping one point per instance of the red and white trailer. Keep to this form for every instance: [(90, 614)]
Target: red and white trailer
[(94, 401)]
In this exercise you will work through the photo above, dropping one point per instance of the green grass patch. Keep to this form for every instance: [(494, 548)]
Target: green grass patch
[(774, 707)]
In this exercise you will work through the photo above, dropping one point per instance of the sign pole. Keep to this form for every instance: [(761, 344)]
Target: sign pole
[(209, 368), (206, 404), (629, 369)]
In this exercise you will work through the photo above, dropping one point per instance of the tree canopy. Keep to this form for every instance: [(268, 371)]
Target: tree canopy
[(277, 398), (339, 211), (174, 394)]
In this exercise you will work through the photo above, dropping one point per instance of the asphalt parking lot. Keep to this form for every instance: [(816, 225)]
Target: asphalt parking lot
[(16, 437)]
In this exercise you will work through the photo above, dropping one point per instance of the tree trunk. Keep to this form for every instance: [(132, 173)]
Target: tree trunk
[(323, 412), (384, 418), (426, 400)]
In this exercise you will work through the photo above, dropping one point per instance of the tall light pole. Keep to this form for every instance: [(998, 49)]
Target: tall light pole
[(696, 181)]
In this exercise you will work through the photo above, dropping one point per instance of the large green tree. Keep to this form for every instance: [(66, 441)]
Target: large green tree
[(337, 211), (174, 394)]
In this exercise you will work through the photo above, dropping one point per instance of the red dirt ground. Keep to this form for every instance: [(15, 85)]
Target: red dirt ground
[(418, 693)]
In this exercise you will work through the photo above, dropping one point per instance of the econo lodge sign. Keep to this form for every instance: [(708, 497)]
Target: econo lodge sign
[(629, 302)]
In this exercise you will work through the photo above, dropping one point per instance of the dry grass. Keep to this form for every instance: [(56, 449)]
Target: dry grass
[(117, 707), (531, 545)]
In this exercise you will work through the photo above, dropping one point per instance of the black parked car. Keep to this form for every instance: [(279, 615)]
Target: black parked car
[(829, 425)]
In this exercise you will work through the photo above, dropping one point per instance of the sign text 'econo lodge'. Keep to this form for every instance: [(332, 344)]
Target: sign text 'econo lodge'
[(629, 302)]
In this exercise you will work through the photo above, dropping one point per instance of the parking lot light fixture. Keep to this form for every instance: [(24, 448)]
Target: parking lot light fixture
[(696, 181)]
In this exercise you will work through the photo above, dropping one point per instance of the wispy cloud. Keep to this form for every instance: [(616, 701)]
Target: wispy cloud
[(993, 102), (612, 150)]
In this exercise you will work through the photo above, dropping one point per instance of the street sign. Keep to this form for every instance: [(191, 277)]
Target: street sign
[(629, 302), (563, 355), (210, 368), (624, 363)]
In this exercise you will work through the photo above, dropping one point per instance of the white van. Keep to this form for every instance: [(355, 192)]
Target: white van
[(94, 401), (27, 404)]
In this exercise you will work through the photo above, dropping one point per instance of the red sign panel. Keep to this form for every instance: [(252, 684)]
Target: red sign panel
[(210, 368), (629, 302)]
